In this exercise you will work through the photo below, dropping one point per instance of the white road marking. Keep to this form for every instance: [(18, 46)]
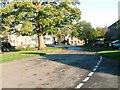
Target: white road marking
[(86, 79), (90, 74), (99, 61), (100, 57), (79, 86), (96, 66), (94, 69)]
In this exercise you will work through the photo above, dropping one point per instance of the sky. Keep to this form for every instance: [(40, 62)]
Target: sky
[(99, 13)]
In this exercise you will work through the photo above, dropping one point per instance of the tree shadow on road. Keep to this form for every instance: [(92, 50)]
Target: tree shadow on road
[(37, 53), (84, 61)]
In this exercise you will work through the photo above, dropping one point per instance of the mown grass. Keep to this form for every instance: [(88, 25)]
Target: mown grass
[(11, 56), (112, 54), (94, 49)]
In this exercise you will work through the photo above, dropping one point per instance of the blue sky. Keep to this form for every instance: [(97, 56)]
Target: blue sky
[(99, 13)]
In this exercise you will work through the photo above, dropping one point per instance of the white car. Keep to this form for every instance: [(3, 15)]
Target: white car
[(115, 44)]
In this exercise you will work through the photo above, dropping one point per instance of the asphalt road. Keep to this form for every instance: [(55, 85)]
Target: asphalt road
[(67, 69)]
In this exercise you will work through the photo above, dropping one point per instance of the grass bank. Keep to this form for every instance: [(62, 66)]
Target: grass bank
[(112, 54), (11, 56)]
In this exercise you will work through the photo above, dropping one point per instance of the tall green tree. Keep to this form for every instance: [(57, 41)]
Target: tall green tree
[(75, 33), (85, 31), (44, 17), (63, 32), (101, 31)]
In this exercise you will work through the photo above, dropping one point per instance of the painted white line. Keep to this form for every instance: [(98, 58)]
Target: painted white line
[(86, 79), (98, 63), (100, 57), (94, 69), (90, 74), (79, 86), (96, 66)]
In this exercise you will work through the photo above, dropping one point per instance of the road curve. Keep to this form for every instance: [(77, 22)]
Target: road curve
[(65, 69)]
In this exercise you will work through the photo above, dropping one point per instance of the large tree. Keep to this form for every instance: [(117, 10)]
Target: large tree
[(84, 30), (45, 17), (101, 31)]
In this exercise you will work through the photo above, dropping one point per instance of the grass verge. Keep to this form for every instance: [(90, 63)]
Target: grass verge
[(11, 56), (94, 49), (112, 54)]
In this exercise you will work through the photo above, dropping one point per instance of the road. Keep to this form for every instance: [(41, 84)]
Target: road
[(72, 68)]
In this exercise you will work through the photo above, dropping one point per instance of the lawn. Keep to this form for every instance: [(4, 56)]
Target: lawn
[(112, 54), (11, 56), (94, 49)]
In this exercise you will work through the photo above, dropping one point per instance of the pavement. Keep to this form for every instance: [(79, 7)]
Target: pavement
[(67, 69)]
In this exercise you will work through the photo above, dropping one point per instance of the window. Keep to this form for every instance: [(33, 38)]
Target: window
[(72, 42)]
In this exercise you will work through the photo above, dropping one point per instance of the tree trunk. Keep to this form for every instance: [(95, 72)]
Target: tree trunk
[(41, 44), (86, 41)]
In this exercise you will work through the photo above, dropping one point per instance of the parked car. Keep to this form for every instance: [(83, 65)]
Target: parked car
[(6, 46), (98, 44), (115, 44)]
